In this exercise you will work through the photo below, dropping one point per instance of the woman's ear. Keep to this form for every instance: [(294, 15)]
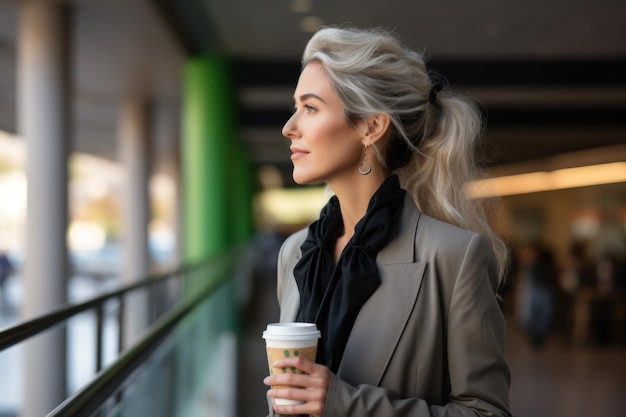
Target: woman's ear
[(377, 127)]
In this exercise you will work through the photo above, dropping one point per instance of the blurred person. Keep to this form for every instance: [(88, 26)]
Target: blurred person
[(576, 270), (6, 269), (539, 277), (620, 300), (607, 304), (401, 270), (606, 273), (620, 273), (575, 275), (268, 244)]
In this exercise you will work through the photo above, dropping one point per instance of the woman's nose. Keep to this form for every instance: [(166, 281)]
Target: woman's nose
[(289, 127)]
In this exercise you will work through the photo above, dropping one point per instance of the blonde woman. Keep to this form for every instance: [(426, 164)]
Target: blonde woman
[(401, 270)]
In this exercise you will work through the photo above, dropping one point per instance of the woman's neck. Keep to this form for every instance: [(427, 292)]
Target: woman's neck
[(354, 197)]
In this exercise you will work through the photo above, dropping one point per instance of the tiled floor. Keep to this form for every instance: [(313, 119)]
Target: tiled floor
[(562, 380), (557, 380)]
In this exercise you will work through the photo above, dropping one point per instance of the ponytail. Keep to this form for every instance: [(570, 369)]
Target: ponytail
[(444, 163)]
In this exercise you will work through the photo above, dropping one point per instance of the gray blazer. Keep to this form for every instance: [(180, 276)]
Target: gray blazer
[(430, 340)]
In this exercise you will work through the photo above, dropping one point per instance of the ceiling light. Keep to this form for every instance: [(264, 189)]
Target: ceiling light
[(310, 24), (295, 206), (559, 179)]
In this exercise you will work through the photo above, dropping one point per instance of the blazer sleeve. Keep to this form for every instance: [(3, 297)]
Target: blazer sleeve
[(286, 252), (281, 270), (478, 374)]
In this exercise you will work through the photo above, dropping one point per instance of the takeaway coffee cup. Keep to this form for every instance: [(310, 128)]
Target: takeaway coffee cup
[(288, 340)]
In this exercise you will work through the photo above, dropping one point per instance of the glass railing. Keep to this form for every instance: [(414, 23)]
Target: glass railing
[(183, 365)]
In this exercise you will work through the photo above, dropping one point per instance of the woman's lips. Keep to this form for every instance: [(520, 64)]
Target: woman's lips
[(297, 153)]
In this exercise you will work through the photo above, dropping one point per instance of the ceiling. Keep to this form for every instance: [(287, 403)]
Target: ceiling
[(551, 76), (446, 29)]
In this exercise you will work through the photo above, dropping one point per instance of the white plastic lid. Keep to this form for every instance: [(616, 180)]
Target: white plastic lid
[(291, 331)]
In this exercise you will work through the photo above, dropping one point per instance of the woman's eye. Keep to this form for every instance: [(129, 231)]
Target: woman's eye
[(308, 108)]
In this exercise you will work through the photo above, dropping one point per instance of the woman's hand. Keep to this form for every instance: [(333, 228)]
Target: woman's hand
[(312, 387)]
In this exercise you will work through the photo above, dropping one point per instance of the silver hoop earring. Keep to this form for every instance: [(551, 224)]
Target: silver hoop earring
[(365, 167)]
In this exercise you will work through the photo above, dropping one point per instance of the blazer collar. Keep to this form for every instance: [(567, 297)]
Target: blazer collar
[(401, 248)]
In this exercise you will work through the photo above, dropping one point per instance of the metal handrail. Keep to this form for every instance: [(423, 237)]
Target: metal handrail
[(17, 333), (92, 396)]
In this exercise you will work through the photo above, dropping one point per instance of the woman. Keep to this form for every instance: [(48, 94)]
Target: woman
[(402, 284)]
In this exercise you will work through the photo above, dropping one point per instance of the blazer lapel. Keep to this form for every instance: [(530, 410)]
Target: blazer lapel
[(388, 309), (366, 356), (290, 305)]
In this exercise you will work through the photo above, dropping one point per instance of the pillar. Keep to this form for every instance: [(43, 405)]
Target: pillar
[(243, 222), (207, 230), (43, 122), (134, 155), (206, 131)]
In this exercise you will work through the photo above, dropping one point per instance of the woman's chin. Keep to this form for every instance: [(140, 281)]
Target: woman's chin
[(301, 178), (300, 182)]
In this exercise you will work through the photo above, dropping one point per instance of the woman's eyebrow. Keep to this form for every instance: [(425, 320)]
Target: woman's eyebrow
[(311, 95)]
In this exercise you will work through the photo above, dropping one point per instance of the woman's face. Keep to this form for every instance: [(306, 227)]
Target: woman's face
[(324, 146)]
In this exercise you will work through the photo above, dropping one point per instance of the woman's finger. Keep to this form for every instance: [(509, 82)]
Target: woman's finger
[(299, 363), (312, 401)]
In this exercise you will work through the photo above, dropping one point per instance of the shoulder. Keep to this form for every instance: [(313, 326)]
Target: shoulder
[(291, 245), (286, 289), (445, 239), (289, 252), (429, 236), (439, 231), (452, 249)]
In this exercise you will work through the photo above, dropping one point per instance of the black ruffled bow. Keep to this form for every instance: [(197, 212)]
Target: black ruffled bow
[(332, 296)]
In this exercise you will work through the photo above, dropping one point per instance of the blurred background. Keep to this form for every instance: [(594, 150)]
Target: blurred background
[(123, 121)]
